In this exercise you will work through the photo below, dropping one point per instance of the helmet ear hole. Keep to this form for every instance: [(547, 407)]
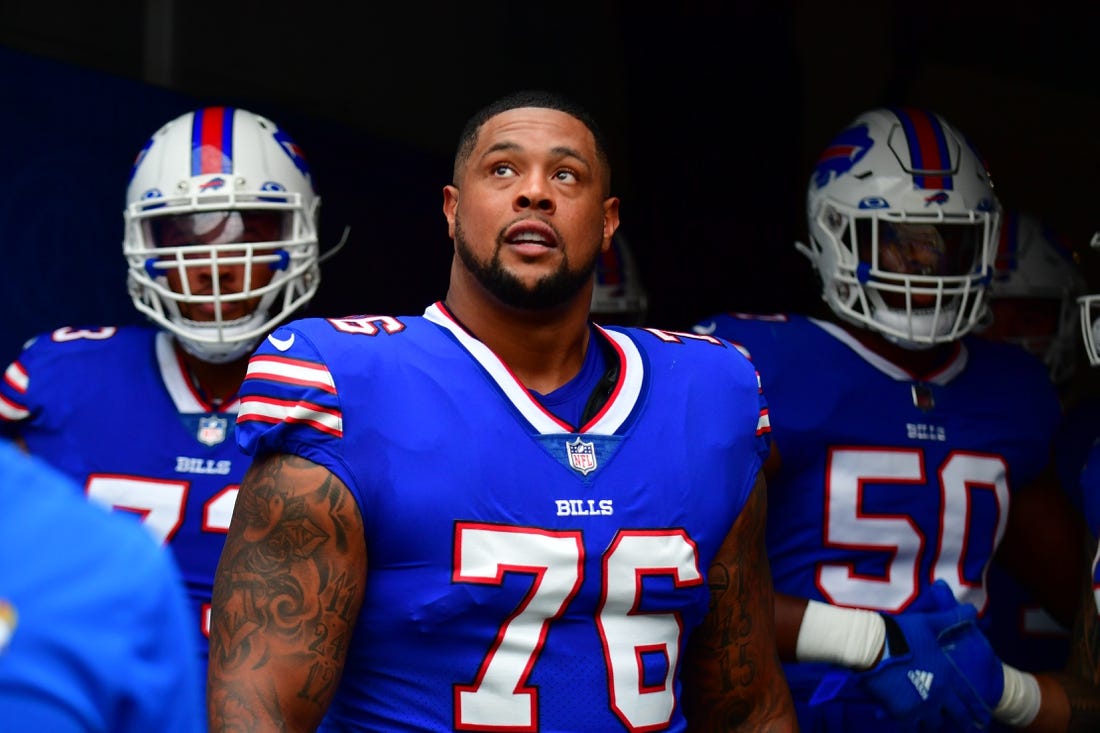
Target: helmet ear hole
[(223, 283), (902, 220)]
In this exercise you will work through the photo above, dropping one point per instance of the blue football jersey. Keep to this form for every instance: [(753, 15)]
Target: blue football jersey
[(115, 409), (1077, 435), (888, 481), (524, 573), (1023, 633), (93, 619), (1090, 492)]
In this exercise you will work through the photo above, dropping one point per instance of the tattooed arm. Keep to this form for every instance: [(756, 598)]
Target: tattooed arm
[(287, 591), (732, 677)]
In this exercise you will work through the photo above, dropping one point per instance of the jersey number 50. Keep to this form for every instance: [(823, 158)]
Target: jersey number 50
[(849, 525)]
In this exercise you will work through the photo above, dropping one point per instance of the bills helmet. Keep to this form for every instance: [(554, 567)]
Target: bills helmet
[(221, 230), (1033, 299), (903, 226)]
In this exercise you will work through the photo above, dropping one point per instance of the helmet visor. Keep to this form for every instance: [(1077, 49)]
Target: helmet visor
[(922, 249), (218, 227)]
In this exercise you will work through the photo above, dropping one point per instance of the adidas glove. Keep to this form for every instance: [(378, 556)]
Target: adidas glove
[(941, 673)]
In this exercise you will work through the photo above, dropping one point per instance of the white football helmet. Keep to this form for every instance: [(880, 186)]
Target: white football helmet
[(618, 296), (1090, 316), (221, 202), (903, 223), (1035, 266)]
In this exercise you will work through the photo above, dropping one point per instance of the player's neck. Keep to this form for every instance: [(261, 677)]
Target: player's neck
[(544, 350), (218, 383), (919, 362)]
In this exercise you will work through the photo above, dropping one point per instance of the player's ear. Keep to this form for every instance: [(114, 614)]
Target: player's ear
[(450, 207), (610, 220)]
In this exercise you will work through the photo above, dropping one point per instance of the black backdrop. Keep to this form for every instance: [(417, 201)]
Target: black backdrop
[(715, 113)]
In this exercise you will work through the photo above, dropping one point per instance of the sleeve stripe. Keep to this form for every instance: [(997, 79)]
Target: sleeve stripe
[(11, 411), (291, 371), (266, 410), (763, 425), (16, 376)]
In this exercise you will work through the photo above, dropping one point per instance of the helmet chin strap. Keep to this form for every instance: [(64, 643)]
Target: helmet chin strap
[(229, 348), (907, 345), (931, 328)]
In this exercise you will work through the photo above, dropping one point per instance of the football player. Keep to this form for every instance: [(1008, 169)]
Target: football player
[(899, 441), (499, 515), (221, 245)]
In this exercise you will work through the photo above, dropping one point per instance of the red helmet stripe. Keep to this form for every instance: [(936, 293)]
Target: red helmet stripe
[(212, 141), (928, 150)]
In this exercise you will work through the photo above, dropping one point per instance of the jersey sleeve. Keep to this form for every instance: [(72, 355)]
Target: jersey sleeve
[(289, 403), (763, 423), (740, 411), (762, 429), (750, 375), (16, 399), (36, 386)]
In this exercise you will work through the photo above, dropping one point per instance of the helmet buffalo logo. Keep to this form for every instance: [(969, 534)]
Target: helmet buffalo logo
[(846, 149), (940, 197), (293, 151), (140, 158), (212, 185)]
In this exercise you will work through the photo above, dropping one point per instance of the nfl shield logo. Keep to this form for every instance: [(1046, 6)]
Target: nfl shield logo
[(212, 430), (582, 456), (923, 398)]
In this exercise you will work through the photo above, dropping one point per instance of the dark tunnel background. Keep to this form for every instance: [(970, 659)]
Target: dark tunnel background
[(715, 114)]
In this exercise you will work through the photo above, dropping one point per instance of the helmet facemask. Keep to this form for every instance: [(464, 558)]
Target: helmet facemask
[(917, 281), (1090, 326), (1090, 316), (221, 279)]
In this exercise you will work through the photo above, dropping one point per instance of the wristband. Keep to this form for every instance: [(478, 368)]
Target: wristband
[(850, 637), (1021, 699)]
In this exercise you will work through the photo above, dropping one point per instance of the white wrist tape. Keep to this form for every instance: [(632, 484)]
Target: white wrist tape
[(1021, 699), (850, 637)]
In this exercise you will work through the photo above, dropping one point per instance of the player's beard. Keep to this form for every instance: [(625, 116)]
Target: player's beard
[(548, 292)]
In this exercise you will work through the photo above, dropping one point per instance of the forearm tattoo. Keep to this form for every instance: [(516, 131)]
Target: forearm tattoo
[(734, 680), (287, 590)]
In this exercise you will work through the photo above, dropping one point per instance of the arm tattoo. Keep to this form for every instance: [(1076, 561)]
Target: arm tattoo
[(732, 677), (286, 594)]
